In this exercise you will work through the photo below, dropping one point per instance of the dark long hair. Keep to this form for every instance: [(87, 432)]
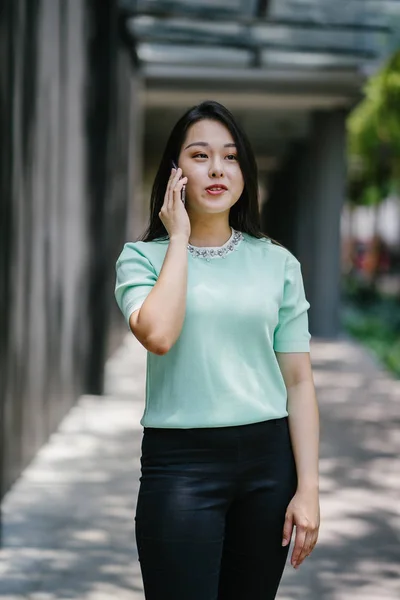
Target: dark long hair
[(244, 215)]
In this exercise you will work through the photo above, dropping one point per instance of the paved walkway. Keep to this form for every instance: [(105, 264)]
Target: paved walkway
[(68, 522)]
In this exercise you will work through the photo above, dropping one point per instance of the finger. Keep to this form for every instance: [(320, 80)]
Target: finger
[(178, 189), (173, 184), (314, 539), (306, 548), (168, 188), (287, 530), (298, 545), (169, 183), (176, 192)]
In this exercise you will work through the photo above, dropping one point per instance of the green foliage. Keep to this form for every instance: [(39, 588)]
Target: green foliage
[(374, 137), (374, 320), (393, 358)]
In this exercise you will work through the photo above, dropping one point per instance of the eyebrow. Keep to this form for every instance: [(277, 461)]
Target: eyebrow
[(230, 145)]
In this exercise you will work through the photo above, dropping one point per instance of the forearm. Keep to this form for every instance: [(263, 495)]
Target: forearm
[(304, 432), (163, 312)]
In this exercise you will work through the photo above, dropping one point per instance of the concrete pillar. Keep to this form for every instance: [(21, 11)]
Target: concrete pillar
[(321, 191), (278, 217), (137, 214)]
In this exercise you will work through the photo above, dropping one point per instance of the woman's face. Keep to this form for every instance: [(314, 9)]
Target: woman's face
[(208, 159)]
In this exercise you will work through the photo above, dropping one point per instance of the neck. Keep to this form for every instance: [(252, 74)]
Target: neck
[(209, 233)]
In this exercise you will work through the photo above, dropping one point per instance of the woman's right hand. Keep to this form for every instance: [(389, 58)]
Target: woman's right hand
[(173, 213)]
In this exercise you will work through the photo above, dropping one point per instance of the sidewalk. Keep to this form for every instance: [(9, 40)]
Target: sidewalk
[(69, 526)]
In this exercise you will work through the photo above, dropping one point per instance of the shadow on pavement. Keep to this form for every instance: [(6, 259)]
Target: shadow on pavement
[(69, 520)]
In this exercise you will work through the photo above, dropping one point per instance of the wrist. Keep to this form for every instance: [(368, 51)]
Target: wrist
[(305, 486), (179, 238)]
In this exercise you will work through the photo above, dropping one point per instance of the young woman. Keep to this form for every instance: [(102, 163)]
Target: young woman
[(230, 442)]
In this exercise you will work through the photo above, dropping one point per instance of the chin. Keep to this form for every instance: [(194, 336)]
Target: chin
[(219, 202), (210, 205), (213, 209)]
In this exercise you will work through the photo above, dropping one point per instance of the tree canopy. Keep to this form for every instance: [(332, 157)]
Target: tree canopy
[(374, 137)]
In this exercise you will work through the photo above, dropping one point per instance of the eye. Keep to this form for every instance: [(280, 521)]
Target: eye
[(232, 157), (200, 155)]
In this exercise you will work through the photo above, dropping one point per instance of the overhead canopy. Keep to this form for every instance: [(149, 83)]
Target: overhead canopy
[(262, 34), (273, 62)]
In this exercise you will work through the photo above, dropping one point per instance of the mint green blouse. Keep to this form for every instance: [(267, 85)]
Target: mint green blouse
[(242, 306)]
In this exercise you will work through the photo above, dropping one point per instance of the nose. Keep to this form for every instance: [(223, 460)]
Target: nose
[(216, 170)]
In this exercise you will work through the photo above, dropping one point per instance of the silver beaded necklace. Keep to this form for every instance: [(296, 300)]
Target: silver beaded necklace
[(209, 252)]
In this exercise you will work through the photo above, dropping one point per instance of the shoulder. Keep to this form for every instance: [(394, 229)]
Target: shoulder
[(147, 250), (276, 253), (142, 256)]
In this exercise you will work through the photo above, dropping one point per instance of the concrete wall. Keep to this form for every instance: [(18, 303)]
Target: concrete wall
[(65, 86)]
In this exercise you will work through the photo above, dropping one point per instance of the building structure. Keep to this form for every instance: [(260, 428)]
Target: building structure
[(88, 93), (290, 70)]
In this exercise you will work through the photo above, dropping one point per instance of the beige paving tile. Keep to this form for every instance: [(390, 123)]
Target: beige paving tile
[(68, 521)]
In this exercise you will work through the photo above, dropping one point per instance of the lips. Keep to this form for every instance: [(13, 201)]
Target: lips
[(216, 187)]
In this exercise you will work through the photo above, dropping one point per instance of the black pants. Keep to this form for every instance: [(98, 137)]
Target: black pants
[(211, 510)]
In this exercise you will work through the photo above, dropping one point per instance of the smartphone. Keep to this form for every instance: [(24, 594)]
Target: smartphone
[(183, 191)]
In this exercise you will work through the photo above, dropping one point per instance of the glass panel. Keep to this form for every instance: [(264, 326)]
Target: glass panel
[(353, 12), (184, 29), (197, 31), (230, 5), (323, 12), (223, 7), (307, 33), (313, 60), (196, 55), (341, 40)]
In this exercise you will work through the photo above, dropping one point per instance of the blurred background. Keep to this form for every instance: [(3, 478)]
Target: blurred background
[(88, 94)]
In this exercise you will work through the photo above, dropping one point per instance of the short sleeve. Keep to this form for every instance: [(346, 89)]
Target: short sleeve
[(135, 277), (291, 333)]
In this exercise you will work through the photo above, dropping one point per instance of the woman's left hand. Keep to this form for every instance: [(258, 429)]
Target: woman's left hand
[(302, 512)]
